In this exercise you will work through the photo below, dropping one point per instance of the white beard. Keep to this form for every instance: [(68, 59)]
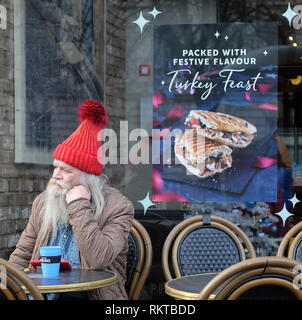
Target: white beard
[(54, 211)]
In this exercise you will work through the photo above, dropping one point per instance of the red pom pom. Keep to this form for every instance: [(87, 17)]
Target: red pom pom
[(94, 111)]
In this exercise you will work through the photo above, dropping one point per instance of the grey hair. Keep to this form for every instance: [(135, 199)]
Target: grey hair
[(96, 185)]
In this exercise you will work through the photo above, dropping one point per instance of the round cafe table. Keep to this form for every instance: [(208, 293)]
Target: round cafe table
[(188, 287), (77, 279)]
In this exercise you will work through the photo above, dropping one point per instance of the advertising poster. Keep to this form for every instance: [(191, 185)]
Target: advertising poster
[(215, 111)]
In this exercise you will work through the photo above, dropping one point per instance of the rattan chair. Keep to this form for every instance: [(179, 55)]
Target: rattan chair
[(139, 260), (294, 250), (263, 278), (13, 282), (198, 246)]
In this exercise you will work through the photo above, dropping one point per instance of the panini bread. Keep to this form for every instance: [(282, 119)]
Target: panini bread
[(201, 156), (222, 128)]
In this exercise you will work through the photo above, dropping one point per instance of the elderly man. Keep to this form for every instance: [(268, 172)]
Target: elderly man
[(78, 211)]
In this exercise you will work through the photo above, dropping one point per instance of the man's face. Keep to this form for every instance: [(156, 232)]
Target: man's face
[(66, 173)]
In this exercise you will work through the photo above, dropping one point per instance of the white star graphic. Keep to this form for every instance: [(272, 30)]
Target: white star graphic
[(141, 21), (226, 37), (163, 82), (289, 14), (265, 52), (294, 200), (154, 12), (217, 34), (146, 203), (284, 214)]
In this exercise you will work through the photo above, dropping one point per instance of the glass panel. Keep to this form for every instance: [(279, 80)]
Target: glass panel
[(55, 72), (159, 38), (128, 54)]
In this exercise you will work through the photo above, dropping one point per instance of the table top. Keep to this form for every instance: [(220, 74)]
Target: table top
[(188, 287), (77, 279)]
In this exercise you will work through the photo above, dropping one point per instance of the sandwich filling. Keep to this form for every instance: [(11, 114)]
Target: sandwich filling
[(202, 159), (213, 132)]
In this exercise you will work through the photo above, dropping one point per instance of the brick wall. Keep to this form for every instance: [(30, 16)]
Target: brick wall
[(115, 61), (21, 183)]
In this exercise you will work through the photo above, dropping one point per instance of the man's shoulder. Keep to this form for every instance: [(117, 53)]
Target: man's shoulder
[(117, 206), (41, 196), (112, 192), (39, 200)]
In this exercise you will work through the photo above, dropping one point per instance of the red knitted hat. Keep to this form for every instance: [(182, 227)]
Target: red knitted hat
[(82, 149)]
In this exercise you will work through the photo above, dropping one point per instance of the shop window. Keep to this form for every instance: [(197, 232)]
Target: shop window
[(54, 73)]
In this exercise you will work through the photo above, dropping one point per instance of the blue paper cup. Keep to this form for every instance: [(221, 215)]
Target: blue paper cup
[(50, 258)]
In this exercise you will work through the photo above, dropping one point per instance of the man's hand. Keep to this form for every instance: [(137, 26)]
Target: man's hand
[(76, 193)]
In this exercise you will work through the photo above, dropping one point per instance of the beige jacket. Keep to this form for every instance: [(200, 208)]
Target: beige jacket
[(102, 244)]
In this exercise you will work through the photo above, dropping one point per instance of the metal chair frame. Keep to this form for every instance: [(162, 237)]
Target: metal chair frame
[(183, 228)]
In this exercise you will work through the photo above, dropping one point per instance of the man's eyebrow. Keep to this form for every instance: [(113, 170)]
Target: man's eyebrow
[(64, 167)]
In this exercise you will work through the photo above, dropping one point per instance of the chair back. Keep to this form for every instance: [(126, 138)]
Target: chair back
[(139, 260), (295, 250), (263, 278), (292, 250), (196, 246), (14, 282)]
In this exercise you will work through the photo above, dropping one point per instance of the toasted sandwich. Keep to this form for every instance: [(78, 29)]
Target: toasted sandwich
[(222, 128), (201, 156)]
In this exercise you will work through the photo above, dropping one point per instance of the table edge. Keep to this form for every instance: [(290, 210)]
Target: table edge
[(84, 286)]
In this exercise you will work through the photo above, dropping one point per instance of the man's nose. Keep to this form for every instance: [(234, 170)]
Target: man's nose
[(57, 175)]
